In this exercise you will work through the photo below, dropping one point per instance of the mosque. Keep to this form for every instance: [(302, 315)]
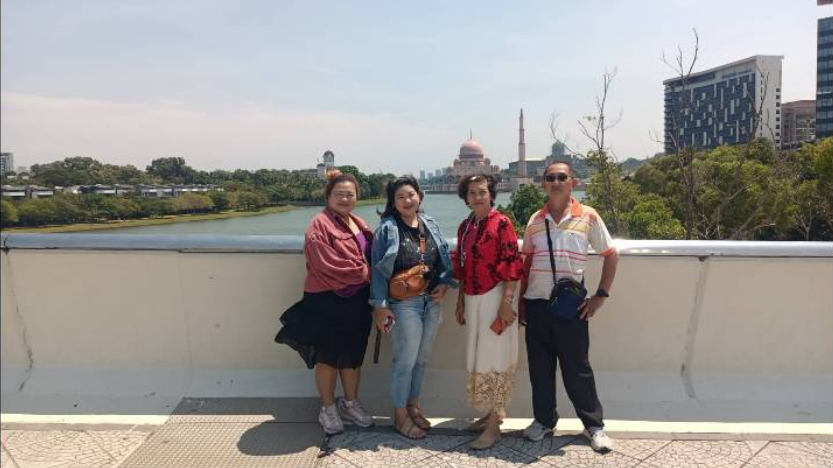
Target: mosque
[(470, 161)]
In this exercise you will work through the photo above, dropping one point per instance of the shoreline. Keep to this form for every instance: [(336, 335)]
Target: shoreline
[(187, 218), (83, 227)]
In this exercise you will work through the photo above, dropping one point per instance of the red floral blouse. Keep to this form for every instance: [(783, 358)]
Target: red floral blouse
[(487, 253)]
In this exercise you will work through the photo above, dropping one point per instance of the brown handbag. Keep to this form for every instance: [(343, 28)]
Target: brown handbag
[(411, 282)]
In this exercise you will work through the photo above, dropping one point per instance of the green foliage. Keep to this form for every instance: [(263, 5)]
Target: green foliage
[(221, 200), (8, 213), (172, 170), (36, 212), (523, 204), (248, 200), (624, 197), (740, 192), (651, 218), (192, 203)]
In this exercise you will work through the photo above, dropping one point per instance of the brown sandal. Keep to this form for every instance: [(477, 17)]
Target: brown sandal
[(417, 417), (407, 429)]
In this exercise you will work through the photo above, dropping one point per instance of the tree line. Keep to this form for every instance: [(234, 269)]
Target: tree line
[(241, 190), (751, 191)]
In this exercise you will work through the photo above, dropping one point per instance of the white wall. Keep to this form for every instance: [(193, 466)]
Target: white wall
[(723, 337)]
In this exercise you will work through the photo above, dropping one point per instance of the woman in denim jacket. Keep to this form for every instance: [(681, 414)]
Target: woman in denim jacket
[(412, 322)]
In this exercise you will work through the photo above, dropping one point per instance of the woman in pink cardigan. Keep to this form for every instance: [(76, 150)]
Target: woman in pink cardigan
[(336, 292)]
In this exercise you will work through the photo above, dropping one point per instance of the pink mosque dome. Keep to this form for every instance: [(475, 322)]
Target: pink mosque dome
[(471, 149)]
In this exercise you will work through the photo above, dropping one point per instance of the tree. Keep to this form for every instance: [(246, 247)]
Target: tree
[(525, 201), (8, 213), (221, 200), (154, 207), (68, 209), (192, 203), (607, 189), (249, 200), (172, 170), (651, 218), (594, 128), (36, 212)]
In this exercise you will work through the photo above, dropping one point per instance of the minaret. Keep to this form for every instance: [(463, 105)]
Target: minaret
[(521, 148)]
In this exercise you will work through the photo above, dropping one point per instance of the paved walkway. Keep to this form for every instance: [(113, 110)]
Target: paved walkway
[(248, 433)]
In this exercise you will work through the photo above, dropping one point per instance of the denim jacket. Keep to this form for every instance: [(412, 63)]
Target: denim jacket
[(383, 254)]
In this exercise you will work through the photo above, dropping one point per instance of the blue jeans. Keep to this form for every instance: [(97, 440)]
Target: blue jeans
[(417, 321)]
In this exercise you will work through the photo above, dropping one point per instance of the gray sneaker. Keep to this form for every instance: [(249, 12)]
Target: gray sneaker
[(353, 412), (599, 440), (537, 431), (330, 420)]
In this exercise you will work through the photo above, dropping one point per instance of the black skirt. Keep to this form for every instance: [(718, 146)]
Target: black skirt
[(328, 329)]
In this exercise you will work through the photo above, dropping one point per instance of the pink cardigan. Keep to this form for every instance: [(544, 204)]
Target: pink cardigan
[(334, 259)]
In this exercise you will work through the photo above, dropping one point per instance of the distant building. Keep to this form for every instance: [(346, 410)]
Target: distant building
[(36, 191), (824, 78), (725, 105), (471, 160), (6, 163), (799, 123), (327, 165), (15, 192), (422, 174)]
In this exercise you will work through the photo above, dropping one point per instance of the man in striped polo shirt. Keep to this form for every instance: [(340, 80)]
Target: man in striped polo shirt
[(551, 339)]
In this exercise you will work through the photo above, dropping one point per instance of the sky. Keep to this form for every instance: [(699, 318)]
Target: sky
[(387, 86)]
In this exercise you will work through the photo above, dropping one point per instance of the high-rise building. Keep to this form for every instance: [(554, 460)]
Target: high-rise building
[(729, 104), (824, 78), (422, 174), (798, 120), (6, 163)]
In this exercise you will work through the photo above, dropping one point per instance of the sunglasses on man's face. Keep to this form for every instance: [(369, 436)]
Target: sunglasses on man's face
[(561, 177)]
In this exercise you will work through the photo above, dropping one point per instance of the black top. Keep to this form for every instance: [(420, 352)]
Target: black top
[(408, 255)]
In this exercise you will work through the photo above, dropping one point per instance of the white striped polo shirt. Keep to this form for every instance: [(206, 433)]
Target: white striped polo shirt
[(580, 229)]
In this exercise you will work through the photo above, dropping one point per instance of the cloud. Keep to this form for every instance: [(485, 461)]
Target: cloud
[(42, 129)]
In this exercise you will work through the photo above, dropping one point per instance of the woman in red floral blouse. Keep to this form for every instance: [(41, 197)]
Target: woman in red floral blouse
[(488, 265)]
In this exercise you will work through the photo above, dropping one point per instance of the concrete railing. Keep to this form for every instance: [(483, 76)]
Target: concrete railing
[(700, 331)]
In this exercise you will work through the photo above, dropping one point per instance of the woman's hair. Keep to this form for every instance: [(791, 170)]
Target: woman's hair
[(491, 184), (390, 191), (336, 177)]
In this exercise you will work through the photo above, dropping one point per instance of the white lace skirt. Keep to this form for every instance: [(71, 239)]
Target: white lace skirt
[(490, 358)]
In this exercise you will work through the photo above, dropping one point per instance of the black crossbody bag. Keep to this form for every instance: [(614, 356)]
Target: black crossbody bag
[(567, 294)]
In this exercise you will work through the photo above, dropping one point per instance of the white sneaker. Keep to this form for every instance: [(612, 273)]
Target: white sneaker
[(352, 411), (330, 420), (599, 440), (536, 431)]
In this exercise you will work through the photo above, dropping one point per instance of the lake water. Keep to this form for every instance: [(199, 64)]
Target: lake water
[(448, 210)]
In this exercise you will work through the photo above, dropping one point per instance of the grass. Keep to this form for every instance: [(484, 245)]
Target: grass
[(82, 227)]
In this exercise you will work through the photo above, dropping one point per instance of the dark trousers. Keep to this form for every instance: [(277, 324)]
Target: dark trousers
[(549, 338)]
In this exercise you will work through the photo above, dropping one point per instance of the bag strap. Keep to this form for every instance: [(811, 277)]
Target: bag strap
[(552, 257), (423, 241)]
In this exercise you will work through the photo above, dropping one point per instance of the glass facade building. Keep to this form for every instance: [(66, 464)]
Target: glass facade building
[(824, 79), (730, 104)]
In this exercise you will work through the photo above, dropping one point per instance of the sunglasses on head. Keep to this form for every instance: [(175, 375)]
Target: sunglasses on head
[(561, 177)]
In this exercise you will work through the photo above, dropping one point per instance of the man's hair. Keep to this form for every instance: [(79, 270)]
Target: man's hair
[(491, 184), (566, 163)]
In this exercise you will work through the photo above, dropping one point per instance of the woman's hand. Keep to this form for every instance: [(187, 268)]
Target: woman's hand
[(439, 292), (461, 311), (506, 313), (381, 316)]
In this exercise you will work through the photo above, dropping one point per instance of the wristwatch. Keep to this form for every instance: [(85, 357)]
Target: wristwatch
[(602, 293)]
